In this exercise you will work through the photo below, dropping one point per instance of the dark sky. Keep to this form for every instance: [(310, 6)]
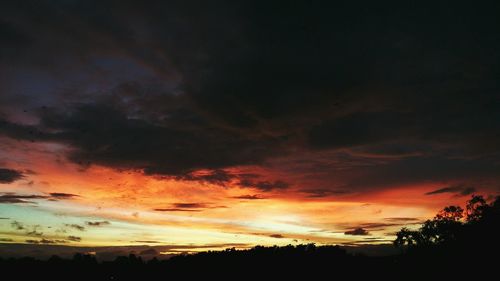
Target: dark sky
[(302, 100)]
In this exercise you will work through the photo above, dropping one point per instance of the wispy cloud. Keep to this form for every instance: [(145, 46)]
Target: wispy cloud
[(357, 231), (458, 190), (60, 195), (188, 207), (248, 197), (74, 238), (323, 192), (75, 226), (97, 223), (13, 198)]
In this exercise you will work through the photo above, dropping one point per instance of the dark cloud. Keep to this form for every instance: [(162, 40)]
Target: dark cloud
[(459, 190), (357, 231), (31, 241), (175, 210), (188, 207), (223, 178), (97, 223), (324, 192), (2, 218), (363, 174), (245, 83), (264, 185), (248, 197), (122, 142), (13, 198), (75, 226), (9, 175), (6, 240), (74, 238), (377, 226), (219, 177), (59, 195), (276, 236)]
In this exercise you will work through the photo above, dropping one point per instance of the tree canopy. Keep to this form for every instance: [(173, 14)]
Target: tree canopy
[(453, 224)]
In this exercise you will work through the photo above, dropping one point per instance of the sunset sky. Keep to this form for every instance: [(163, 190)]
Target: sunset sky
[(208, 125)]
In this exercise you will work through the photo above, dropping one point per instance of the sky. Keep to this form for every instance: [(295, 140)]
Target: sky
[(215, 124)]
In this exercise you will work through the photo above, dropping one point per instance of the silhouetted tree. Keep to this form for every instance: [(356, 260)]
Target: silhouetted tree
[(408, 237), (475, 208), (448, 226)]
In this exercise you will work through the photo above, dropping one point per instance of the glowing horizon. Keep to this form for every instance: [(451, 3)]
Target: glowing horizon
[(137, 208)]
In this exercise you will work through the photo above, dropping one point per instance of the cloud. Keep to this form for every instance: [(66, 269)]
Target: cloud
[(459, 190), (74, 238), (357, 231), (45, 241), (9, 175), (147, 241), (32, 241), (59, 195), (121, 142), (188, 207), (175, 210), (224, 178), (75, 226), (17, 225), (248, 197), (279, 236), (323, 192), (264, 185), (97, 223), (13, 198), (34, 231), (218, 177), (376, 225), (6, 240)]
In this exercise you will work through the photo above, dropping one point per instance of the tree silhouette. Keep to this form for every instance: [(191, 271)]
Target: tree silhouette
[(475, 208), (448, 225)]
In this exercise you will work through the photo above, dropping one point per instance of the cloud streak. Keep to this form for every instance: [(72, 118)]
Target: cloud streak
[(13, 198), (9, 176), (459, 190), (97, 223)]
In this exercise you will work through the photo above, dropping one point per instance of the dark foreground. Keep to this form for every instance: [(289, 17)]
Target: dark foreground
[(305, 261)]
